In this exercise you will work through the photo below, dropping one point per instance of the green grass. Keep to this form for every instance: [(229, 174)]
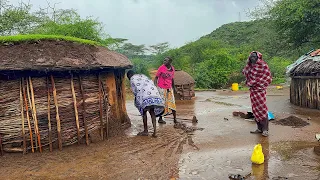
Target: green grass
[(278, 81), (36, 37)]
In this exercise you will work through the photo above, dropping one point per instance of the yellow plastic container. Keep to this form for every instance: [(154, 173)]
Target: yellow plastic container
[(235, 87), (257, 155)]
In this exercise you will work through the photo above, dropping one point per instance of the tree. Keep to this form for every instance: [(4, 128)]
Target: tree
[(140, 66), (159, 48), (131, 50), (16, 19), (51, 21), (116, 43), (68, 22), (298, 20), (295, 20)]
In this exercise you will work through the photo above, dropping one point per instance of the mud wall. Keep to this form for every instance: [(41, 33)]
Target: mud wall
[(304, 91), (185, 92), (47, 112)]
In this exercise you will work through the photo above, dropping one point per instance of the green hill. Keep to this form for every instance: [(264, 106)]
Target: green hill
[(258, 34), (216, 59)]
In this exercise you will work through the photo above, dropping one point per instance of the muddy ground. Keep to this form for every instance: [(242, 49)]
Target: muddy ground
[(224, 146)]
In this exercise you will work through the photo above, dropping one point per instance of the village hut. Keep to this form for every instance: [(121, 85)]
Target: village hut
[(184, 84), (305, 80), (55, 93)]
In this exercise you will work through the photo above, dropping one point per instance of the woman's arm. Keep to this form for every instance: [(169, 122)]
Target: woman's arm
[(156, 81), (174, 87)]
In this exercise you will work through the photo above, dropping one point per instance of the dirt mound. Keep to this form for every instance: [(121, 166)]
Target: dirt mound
[(292, 121)]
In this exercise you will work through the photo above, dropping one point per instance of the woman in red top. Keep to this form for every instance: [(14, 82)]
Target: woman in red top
[(164, 81)]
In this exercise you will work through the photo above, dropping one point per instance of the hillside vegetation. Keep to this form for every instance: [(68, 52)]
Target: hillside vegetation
[(282, 31), (216, 60)]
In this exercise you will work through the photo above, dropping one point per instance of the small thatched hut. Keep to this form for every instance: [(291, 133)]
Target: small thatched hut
[(184, 84), (305, 83), (55, 93)]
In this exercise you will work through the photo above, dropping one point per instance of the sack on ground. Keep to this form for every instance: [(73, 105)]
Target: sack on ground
[(257, 155)]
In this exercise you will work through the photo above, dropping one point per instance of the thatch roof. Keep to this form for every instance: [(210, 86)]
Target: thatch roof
[(307, 65), (57, 55), (182, 78), (307, 68)]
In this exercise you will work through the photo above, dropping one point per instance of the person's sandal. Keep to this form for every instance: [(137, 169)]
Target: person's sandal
[(265, 133), (257, 131), (161, 121), (143, 133)]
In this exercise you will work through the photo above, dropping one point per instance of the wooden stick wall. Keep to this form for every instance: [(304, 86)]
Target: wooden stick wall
[(304, 92), (52, 111)]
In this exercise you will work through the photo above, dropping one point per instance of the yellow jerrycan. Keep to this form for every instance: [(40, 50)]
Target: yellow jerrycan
[(257, 155), (235, 87)]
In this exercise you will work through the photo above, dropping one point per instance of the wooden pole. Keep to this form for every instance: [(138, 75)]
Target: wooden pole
[(106, 102), (1, 148), (35, 114), (27, 113), (75, 109), (189, 88), (57, 112), (107, 123), (318, 98), (182, 91), (30, 105), (84, 111), (100, 104), (49, 116), (22, 120)]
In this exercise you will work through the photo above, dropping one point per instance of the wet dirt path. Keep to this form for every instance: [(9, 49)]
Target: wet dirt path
[(224, 146)]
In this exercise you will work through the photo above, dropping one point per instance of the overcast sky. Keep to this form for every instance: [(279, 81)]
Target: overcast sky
[(154, 21)]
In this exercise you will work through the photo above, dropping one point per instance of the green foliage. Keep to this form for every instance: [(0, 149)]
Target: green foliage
[(140, 66), (277, 66), (131, 50), (16, 19), (69, 23), (278, 81), (297, 20), (50, 21), (215, 70), (217, 59), (36, 37)]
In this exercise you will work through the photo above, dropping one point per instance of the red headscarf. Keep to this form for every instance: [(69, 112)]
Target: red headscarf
[(258, 75)]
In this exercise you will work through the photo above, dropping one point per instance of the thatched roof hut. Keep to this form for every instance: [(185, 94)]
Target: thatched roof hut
[(184, 84), (183, 78), (55, 93), (305, 74)]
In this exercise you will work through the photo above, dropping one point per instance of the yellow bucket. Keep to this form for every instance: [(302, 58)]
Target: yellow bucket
[(235, 87)]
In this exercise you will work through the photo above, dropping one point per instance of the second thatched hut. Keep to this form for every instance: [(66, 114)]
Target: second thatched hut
[(184, 84), (305, 83)]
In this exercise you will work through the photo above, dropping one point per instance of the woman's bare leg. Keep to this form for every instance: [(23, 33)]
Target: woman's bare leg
[(145, 125), (174, 116), (153, 117)]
